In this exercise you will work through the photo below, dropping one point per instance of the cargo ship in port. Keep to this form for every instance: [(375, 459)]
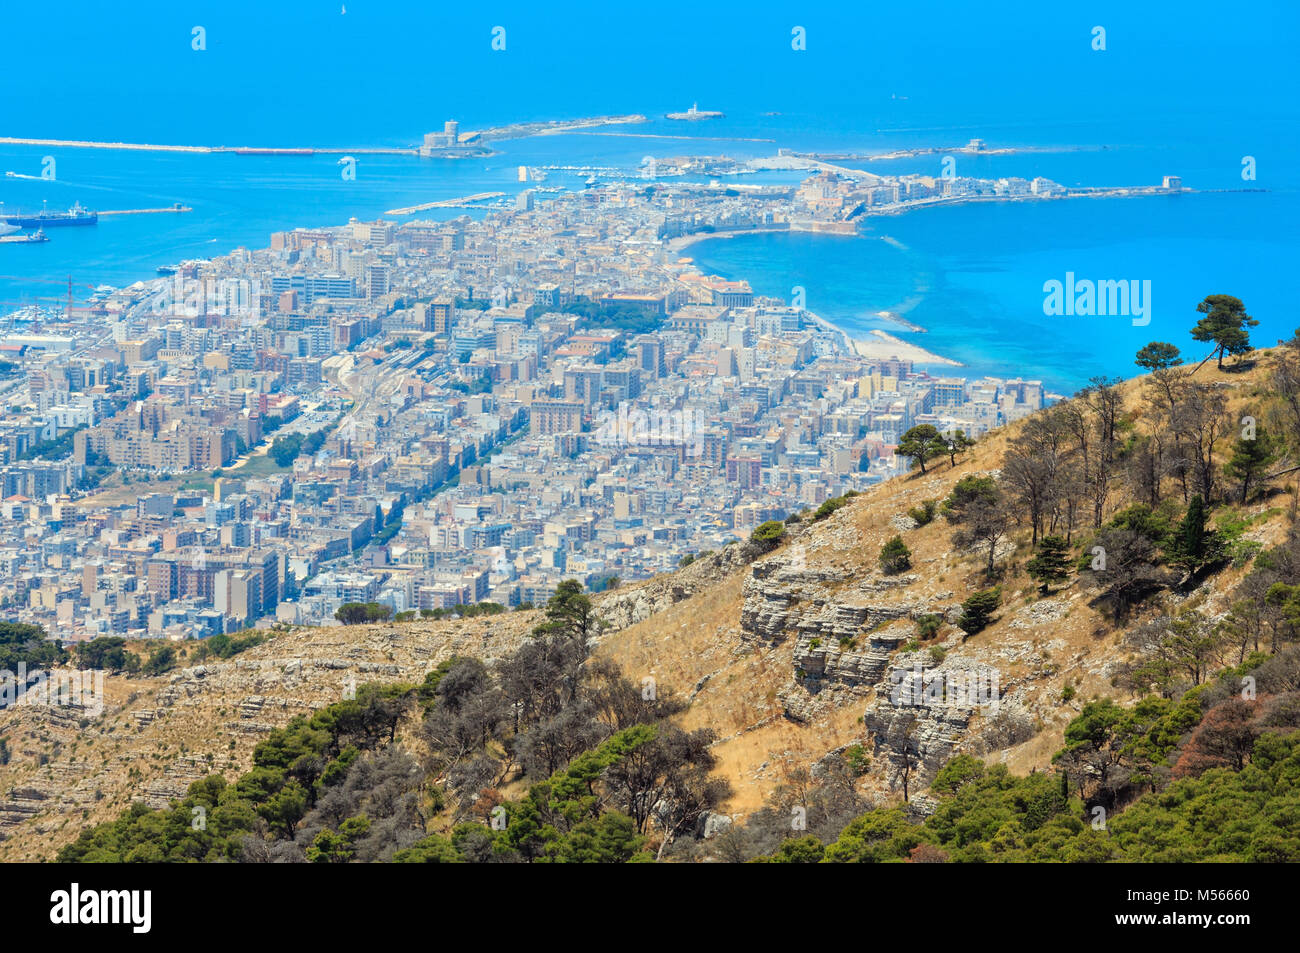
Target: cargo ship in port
[(695, 113), (46, 219)]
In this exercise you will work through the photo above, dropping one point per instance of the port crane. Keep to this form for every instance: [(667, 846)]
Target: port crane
[(37, 301)]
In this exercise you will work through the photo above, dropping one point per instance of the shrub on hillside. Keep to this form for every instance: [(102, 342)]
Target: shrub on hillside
[(768, 534), (925, 513), (927, 626), (834, 503), (895, 557)]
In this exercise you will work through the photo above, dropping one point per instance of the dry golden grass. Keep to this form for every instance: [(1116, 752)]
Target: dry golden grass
[(739, 701)]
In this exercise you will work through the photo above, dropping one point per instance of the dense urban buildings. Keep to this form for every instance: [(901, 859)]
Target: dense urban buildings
[(432, 414)]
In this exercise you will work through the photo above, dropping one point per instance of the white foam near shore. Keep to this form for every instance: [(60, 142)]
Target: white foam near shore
[(881, 346)]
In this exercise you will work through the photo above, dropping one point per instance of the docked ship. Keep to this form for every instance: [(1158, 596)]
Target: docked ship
[(46, 219), (36, 236), (695, 113)]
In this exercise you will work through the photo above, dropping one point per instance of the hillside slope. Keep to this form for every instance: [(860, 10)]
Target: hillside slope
[(786, 657)]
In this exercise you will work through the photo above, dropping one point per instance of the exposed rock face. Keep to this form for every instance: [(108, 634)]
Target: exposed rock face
[(1040, 614), (778, 595), (845, 629), (176, 780), (924, 711), (623, 608), (847, 632), (711, 824), (857, 664)]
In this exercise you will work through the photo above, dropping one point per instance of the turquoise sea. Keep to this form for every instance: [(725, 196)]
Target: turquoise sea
[(1180, 89), (973, 276)]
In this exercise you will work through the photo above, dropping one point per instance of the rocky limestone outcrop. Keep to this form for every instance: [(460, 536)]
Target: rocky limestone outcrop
[(924, 713), (845, 629), (624, 608), (778, 595), (856, 661)]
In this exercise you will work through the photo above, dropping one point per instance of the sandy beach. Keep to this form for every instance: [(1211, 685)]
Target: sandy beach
[(881, 345)]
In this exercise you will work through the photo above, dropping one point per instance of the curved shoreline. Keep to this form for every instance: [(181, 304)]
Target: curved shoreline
[(882, 346), (879, 345)]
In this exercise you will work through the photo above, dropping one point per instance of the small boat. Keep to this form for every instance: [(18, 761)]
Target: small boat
[(36, 236)]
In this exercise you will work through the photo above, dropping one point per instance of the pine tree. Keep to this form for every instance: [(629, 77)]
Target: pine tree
[(570, 613), (1251, 458), (958, 443), (923, 442), (977, 610), (1158, 356), (1193, 544), (1224, 324), (1051, 563)]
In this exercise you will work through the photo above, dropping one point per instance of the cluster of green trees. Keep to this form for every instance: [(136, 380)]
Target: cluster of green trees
[(608, 776), (288, 447), (224, 646), (107, 652), (628, 318), (389, 525), (294, 768), (56, 448), (924, 443), (478, 385), (461, 611), (356, 613), (1135, 500), (28, 644), (1174, 459), (1138, 501), (613, 768)]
